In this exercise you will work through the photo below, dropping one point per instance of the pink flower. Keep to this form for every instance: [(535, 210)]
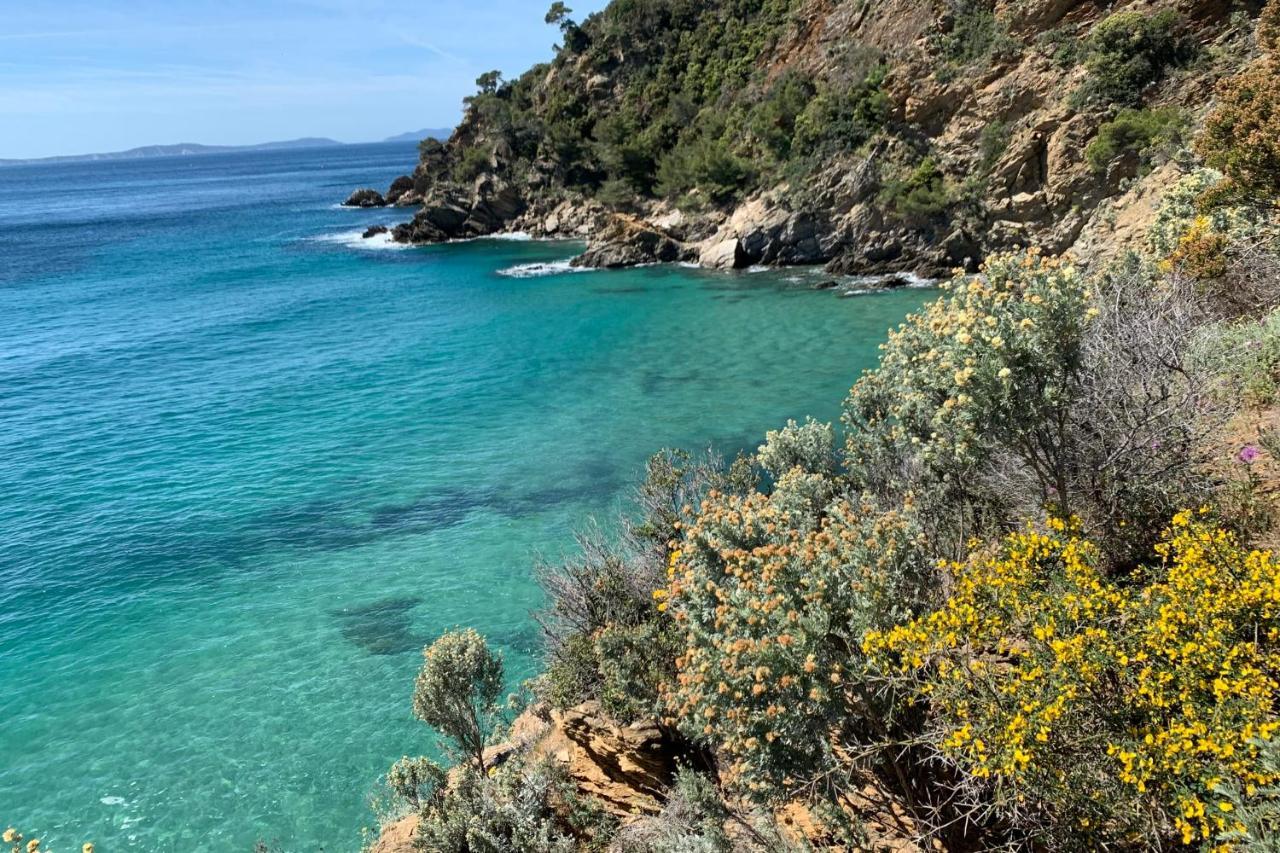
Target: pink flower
[(1248, 454)]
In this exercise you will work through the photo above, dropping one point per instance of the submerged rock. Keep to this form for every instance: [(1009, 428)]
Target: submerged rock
[(365, 198), (382, 627)]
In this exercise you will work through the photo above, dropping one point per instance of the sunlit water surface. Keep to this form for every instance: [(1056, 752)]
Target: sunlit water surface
[(249, 464)]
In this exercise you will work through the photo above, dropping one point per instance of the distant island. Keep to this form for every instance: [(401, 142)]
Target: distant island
[(441, 133), (188, 149)]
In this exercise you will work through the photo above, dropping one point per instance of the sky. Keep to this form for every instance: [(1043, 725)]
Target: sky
[(82, 76)]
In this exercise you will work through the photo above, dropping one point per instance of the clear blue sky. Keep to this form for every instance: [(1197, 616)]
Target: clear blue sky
[(103, 75)]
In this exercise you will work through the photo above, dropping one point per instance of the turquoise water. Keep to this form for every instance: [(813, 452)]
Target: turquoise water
[(249, 465)]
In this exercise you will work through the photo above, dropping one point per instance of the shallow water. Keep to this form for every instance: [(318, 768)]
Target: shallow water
[(249, 464)]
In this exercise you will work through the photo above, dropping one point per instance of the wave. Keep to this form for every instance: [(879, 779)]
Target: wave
[(863, 285), (542, 268), (356, 240)]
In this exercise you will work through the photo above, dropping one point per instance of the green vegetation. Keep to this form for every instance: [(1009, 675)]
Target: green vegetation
[(1139, 132), (918, 195), (1242, 136), (606, 633), (1128, 52), (458, 690), (1246, 354), (692, 116), (1022, 592), (526, 805), (976, 35)]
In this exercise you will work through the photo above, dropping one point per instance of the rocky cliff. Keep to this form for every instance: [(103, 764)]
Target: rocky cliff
[(874, 136)]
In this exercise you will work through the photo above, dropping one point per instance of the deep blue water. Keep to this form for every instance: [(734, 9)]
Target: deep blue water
[(249, 464)]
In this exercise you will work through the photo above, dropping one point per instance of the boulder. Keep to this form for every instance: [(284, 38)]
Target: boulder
[(774, 235), (628, 241), (365, 198), (724, 255), (399, 188), (374, 231)]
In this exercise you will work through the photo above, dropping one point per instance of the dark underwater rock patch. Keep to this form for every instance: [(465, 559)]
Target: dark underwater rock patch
[(382, 627)]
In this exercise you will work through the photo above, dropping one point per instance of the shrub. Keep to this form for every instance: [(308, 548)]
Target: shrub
[(773, 119), (1228, 246), (1245, 355), (811, 448), (920, 194), (606, 634), (1179, 209), (1269, 28), (1127, 52), (1136, 437), (1255, 809), (1242, 135), (415, 781), (523, 805), (840, 119), (1063, 45), (1090, 712), (992, 363), (458, 690), (473, 162), (1139, 132), (706, 164), (692, 821), (1029, 387), (976, 33), (773, 593)]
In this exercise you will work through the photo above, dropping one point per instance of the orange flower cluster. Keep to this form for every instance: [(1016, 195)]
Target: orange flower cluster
[(774, 595)]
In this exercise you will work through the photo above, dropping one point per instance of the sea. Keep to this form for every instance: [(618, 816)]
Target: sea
[(250, 463)]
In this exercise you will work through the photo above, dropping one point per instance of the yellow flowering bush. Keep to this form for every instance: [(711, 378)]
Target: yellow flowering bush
[(1089, 710), (993, 363), (773, 594)]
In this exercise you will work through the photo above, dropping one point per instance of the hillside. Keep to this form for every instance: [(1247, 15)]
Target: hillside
[(871, 136), (181, 149), (1025, 595)]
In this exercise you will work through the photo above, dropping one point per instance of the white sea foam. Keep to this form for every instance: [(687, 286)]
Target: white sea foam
[(112, 801), (541, 268), (865, 284), (514, 236), (356, 240)]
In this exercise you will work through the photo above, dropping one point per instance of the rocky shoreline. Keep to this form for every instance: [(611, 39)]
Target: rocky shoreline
[(754, 234)]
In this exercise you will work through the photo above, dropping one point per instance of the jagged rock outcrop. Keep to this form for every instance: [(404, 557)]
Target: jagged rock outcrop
[(365, 198), (374, 231), (451, 213), (628, 241), (625, 768), (400, 187)]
